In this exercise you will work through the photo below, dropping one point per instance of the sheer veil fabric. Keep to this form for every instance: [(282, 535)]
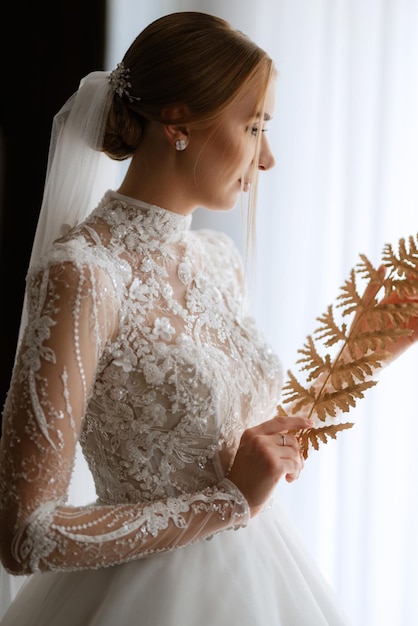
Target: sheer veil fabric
[(78, 173)]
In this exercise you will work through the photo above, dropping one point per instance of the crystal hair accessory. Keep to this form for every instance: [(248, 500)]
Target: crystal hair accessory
[(119, 79)]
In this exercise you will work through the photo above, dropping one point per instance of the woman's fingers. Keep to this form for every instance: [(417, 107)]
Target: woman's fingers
[(285, 424), (267, 453)]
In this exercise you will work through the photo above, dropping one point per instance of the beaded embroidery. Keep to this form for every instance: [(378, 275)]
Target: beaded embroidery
[(159, 324)]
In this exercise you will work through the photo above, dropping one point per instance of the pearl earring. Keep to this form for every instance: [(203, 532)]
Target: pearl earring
[(180, 145)]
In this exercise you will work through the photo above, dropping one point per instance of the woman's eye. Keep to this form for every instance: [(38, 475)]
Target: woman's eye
[(254, 130)]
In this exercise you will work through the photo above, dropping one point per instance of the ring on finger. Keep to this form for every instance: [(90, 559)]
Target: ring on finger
[(283, 440)]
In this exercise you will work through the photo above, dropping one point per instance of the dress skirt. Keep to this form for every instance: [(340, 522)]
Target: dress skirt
[(256, 576)]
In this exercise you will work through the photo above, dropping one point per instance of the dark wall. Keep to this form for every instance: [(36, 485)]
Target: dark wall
[(54, 44)]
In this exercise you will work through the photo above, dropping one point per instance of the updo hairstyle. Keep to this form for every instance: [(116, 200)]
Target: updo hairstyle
[(188, 59)]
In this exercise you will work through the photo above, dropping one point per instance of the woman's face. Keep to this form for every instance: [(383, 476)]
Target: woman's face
[(222, 156)]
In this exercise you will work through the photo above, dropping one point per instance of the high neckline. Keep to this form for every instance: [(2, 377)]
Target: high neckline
[(150, 221)]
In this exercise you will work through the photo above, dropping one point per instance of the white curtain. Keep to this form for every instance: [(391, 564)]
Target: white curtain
[(345, 137)]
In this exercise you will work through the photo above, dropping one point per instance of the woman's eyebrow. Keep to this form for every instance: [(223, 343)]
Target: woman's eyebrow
[(266, 117)]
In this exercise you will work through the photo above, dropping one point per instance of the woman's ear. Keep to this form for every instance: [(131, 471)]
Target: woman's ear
[(177, 134)]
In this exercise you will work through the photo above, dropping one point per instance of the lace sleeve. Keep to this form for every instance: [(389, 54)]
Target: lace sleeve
[(72, 314)]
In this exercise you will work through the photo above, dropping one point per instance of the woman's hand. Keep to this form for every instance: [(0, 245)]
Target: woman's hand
[(402, 342), (266, 453)]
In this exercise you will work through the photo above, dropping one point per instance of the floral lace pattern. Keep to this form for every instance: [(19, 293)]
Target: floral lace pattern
[(160, 373)]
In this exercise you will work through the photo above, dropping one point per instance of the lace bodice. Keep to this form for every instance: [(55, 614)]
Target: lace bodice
[(139, 346)]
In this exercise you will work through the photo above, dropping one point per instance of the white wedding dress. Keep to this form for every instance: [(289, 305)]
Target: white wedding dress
[(165, 371)]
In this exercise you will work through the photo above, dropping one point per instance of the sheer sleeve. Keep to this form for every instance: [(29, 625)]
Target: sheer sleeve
[(72, 314)]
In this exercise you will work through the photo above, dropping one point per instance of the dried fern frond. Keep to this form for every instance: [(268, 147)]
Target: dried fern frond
[(349, 299), (313, 436), (324, 403), (365, 269), (332, 386), (345, 373), (405, 261), (329, 329), (312, 361), (295, 392), (340, 400)]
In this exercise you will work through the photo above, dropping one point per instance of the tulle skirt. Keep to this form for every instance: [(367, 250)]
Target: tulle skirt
[(257, 576)]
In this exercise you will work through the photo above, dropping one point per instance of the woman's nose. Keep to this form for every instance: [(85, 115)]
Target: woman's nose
[(266, 161)]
